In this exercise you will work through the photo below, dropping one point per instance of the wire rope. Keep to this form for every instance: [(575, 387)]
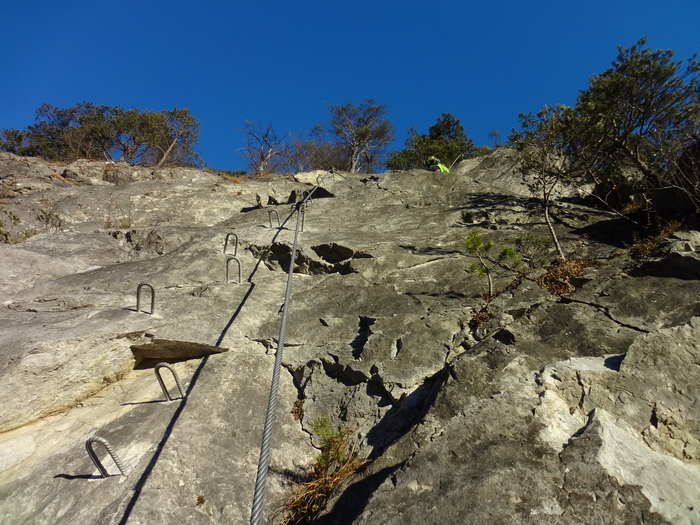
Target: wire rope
[(256, 514)]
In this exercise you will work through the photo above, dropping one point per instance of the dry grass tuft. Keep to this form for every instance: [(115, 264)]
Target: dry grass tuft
[(234, 178), (557, 278), (337, 461), (298, 410), (643, 247), (480, 318)]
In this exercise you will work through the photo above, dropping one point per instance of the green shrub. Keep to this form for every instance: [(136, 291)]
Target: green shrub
[(508, 259), (338, 459)]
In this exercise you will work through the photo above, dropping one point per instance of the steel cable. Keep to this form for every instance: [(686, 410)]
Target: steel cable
[(256, 515)]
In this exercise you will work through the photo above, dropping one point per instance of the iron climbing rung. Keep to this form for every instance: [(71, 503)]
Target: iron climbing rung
[(158, 368), (235, 246), (138, 297), (228, 261), (96, 460)]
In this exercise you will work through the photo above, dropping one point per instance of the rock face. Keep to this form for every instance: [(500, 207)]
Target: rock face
[(528, 407)]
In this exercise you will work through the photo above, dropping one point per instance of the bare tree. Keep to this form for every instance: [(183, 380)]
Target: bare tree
[(363, 131), (264, 147), (495, 137)]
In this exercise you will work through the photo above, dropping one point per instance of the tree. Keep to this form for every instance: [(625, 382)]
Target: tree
[(362, 132), (14, 141), (313, 152), (80, 131), (445, 139), (633, 124), (91, 131), (157, 139), (508, 259), (129, 132), (176, 138), (495, 136), (47, 136), (263, 147), (543, 165)]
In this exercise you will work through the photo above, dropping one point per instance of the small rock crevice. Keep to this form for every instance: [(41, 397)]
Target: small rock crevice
[(142, 242), (345, 374), (334, 253), (606, 311), (363, 333), (396, 348), (277, 256)]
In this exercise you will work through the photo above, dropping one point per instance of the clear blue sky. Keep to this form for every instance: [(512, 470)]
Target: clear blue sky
[(281, 62)]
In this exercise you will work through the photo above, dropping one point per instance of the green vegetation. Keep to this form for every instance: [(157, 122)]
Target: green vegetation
[(98, 132), (530, 252), (636, 120), (445, 140), (336, 461), (355, 140), (634, 134), (313, 152), (52, 222), (543, 164), (533, 249), (12, 233), (508, 259)]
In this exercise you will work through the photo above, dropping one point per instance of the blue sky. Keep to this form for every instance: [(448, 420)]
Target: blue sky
[(282, 62)]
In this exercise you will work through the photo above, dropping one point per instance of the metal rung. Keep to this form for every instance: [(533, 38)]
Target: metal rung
[(228, 261), (162, 384), (269, 216), (96, 460), (336, 174), (320, 181), (138, 297), (235, 246), (301, 208)]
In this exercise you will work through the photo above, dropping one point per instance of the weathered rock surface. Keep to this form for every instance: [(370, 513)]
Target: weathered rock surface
[(529, 408)]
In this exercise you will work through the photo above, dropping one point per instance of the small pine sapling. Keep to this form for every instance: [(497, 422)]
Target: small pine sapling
[(534, 250), (508, 258)]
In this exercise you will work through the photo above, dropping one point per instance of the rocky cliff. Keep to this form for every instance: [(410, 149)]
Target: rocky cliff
[(580, 406)]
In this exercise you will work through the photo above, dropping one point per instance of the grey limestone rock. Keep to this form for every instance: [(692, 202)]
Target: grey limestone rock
[(528, 407)]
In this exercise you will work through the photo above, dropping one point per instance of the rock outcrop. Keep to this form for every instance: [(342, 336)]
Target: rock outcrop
[(528, 407)]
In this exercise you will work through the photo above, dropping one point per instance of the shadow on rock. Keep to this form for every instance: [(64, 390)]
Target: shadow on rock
[(354, 498), (430, 250), (161, 446), (404, 415), (82, 476), (676, 266), (407, 411), (619, 232)]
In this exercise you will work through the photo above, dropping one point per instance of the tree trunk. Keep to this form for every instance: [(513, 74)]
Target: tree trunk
[(354, 160), (555, 239), (167, 152)]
